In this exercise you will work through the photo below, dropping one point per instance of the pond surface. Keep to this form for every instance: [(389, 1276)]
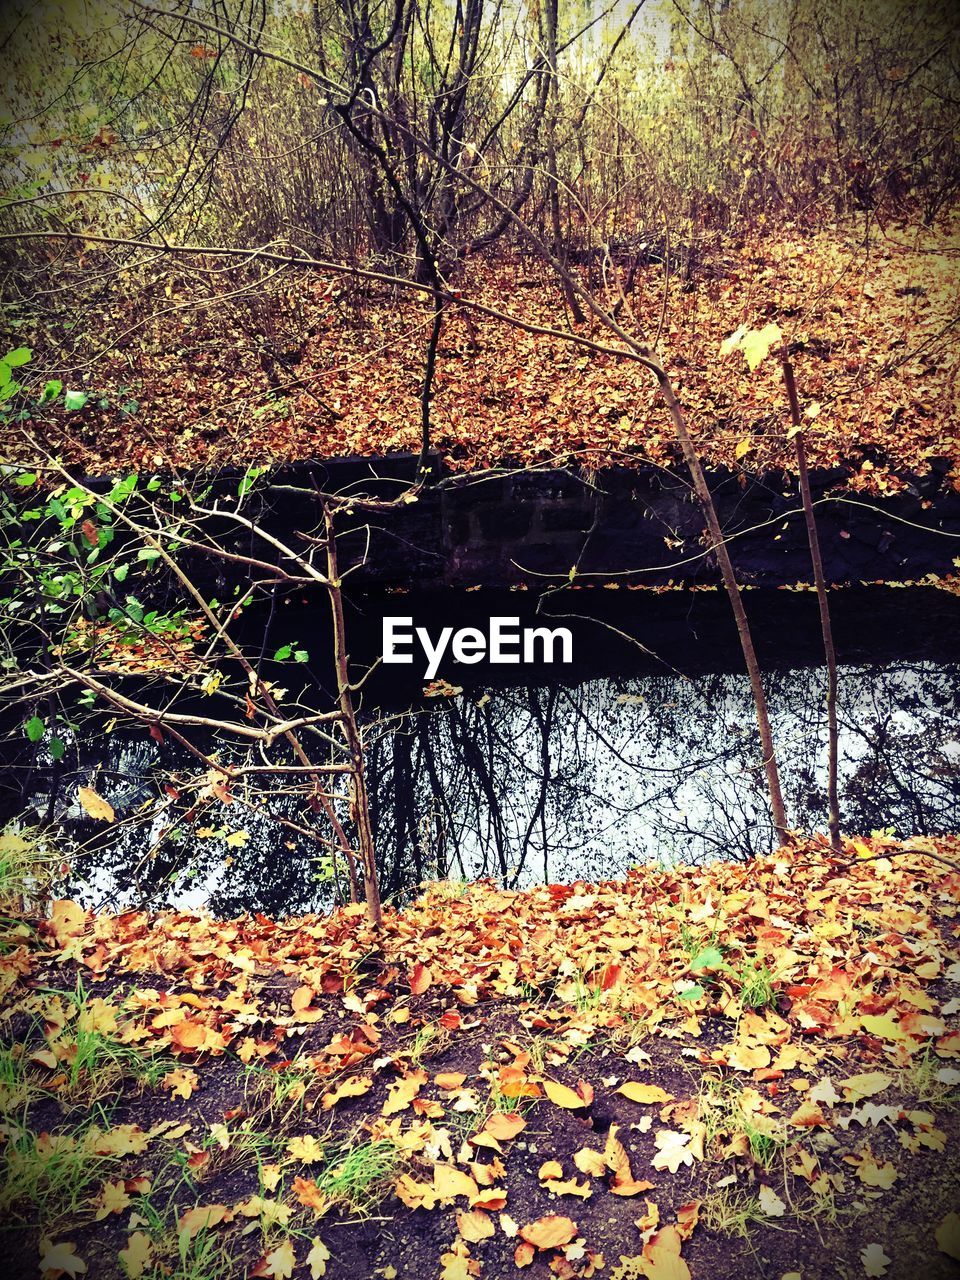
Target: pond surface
[(557, 781)]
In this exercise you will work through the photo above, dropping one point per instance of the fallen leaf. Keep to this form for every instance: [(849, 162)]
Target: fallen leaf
[(317, 1259), (59, 1260), (475, 1225), (875, 1261), (645, 1093), (770, 1203), (138, 1254), (562, 1096), (948, 1236), (549, 1232)]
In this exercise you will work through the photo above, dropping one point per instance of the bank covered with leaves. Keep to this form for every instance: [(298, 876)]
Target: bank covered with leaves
[(744, 1070)]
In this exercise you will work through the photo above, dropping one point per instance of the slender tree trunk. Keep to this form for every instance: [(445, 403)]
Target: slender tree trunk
[(361, 800), (553, 185), (719, 546), (833, 736)]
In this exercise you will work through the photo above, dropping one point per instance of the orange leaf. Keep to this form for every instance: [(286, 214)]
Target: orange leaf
[(301, 999), (504, 1124), (549, 1232), (420, 979)]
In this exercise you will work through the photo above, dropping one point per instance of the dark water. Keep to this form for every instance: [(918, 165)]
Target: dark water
[(550, 781)]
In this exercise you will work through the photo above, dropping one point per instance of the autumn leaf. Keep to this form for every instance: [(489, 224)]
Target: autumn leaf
[(301, 999), (562, 1096), (353, 1087), (591, 1162), (113, 1199), (864, 1085), (67, 920), (770, 1203), (202, 1218), (661, 1258), (137, 1256), (278, 1263), (673, 1150), (644, 1093), (181, 1082), (450, 1182), (504, 1125), (549, 1232), (550, 1169), (306, 1149), (475, 1225), (59, 1259), (94, 806), (309, 1195), (875, 1261), (402, 1092), (756, 344), (420, 979)]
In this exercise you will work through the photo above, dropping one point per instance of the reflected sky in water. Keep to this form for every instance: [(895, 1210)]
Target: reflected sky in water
[(554, 783)]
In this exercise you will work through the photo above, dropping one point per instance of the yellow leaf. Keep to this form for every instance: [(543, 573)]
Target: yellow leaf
[(450, 1182), (280, 1262), (562, 1096), (306, 1149), (742, 449), (181, 1082), (317, 1259), (95, 806), (864, 1085), (237, 839), (646, 1093), (113, 1199), (354, 1087), (137, 1255), (757, 343), (475, 1225), (59, 1259)]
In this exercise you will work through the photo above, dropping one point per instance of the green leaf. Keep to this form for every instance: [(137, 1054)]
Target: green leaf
[(34, 729), (27, 477), (301, 655), (51, 390), (709, 958), (148, 554), (692, 993), (120, 573), (56, 748), (75, 400), (17, 357), (283, 653)]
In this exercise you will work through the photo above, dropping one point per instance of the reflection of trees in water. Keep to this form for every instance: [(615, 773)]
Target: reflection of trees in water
[(585, 781), (560, 783)]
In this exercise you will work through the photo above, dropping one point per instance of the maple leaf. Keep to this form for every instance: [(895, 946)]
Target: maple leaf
[(306, 1149), (138, 1254), (278, 1263), (181, 1082), (353, 1087), (59, 1259), (875, 1261), (673, 1150), (644, 1093), (317, 1258), (402, 1092), (549, 1232), (113, 1199), (67, 920)]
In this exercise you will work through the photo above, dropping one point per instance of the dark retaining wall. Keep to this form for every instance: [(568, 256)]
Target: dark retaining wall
[(642, 522)]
